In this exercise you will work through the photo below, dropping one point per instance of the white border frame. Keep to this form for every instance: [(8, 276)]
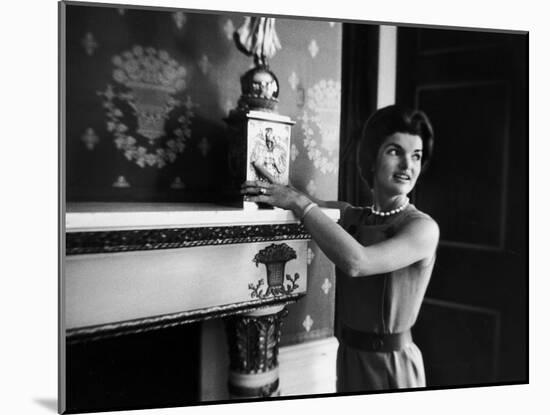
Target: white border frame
[(29, 206)]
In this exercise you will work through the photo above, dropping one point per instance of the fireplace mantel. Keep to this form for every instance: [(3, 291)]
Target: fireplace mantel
[(97, 216), (137, 267)]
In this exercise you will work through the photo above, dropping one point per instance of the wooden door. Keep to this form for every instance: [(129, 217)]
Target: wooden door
[(473, 86)]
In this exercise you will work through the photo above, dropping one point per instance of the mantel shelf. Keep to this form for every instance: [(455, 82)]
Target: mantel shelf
[(96, 216), (135, 267)]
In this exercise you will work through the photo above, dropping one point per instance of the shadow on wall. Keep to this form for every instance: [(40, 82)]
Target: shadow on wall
[(48, 403)]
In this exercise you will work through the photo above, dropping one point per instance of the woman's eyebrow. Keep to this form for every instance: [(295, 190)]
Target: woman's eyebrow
[(392, 144)]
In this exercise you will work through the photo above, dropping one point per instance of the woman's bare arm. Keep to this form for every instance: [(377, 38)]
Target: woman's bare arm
[(415, 242)]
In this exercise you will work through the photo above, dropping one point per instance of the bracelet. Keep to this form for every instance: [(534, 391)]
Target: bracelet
[(307, 209)]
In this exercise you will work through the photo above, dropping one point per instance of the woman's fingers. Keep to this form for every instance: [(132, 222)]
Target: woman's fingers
[(255, 191), (256, 187), (260, 199), (257, 183), (272, 194)]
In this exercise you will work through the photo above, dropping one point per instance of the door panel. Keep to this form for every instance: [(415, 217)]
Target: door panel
[(472, 140), (473, 87)]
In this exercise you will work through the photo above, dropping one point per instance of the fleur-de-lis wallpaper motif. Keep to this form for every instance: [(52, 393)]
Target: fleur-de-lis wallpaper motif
[(204, 146), (177, 183), (89, 43), (308, 323), (204, 64), (313, 48), (179, 19), (121, 182), (229, 29), (228, 106), (90, 138), (293, 80), (293, 152), (326, 286), (310, 256)]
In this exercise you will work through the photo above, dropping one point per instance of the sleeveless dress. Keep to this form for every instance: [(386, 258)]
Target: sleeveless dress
[(382, 304)]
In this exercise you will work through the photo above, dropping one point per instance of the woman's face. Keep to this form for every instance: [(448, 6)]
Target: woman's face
[(398, 164)]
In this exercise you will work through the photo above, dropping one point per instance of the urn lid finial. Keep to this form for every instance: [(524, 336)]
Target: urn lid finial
[(259, 86)]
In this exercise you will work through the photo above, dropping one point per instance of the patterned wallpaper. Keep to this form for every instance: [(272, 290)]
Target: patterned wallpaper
[(166, 141)]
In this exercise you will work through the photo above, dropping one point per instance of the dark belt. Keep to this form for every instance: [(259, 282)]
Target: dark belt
[(374, 342)]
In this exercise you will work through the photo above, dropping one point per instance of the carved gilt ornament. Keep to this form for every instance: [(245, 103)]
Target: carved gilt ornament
[(275, 257)]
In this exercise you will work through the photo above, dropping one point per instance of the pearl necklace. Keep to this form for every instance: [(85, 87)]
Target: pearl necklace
[(391, 212)]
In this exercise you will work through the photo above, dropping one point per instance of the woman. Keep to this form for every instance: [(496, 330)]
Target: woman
[(384, 254)]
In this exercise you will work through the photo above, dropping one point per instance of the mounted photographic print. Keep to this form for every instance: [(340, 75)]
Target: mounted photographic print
[(385, 250)]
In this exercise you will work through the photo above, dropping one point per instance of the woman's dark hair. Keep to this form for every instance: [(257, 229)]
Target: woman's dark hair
[(385, 122)]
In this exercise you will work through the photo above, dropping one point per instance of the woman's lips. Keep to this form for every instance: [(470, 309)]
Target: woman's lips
[(402, 177)]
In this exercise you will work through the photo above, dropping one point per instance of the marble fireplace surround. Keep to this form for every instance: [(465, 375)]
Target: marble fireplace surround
[(135, 267)]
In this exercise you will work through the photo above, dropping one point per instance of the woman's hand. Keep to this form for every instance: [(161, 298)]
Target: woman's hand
[(274, 194)]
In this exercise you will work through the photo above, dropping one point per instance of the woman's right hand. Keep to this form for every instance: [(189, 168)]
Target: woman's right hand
[(274, 194)]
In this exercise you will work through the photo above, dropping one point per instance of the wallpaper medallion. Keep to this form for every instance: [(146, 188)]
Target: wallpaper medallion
[(146, 81)]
